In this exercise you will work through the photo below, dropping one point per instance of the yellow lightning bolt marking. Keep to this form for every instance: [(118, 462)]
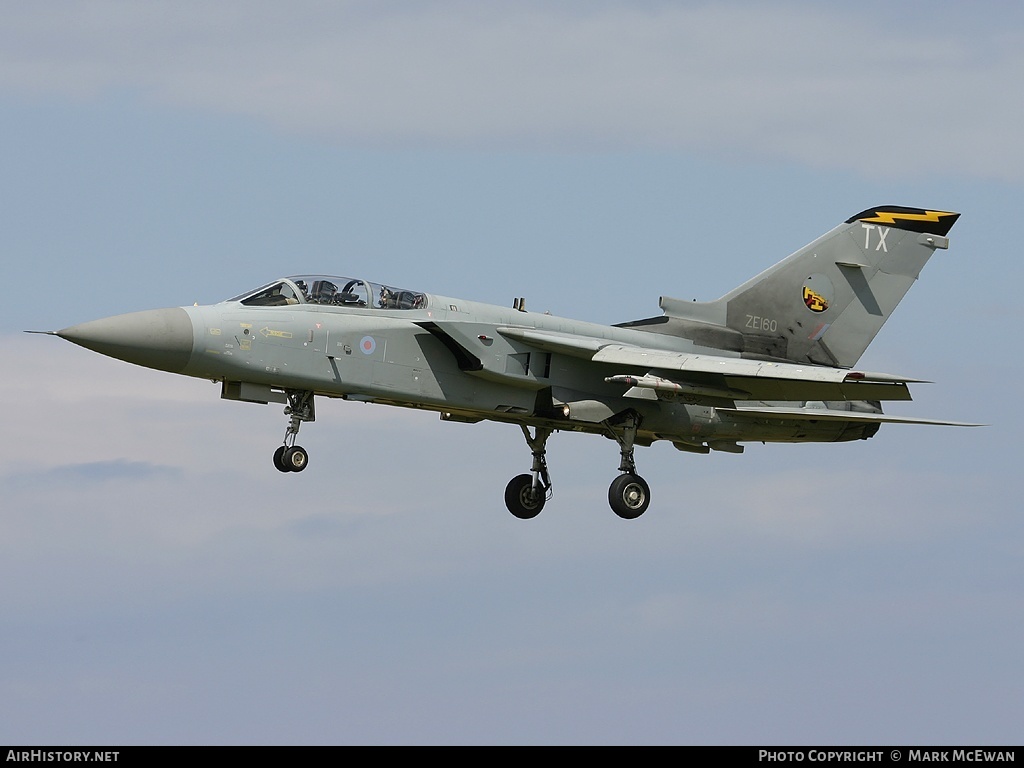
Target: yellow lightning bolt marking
[(889, 217)]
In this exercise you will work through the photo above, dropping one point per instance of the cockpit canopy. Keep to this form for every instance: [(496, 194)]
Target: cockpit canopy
[(332, 291)]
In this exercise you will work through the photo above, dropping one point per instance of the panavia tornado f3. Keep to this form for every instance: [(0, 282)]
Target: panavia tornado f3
[(771, 361)]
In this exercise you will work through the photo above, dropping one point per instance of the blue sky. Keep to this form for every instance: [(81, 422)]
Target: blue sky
[(161, 583)]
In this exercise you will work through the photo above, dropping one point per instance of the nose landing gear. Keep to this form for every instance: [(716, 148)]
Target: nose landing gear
[(290, 457)]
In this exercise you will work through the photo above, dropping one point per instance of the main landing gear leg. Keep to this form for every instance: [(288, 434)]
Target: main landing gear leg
[(291, 457), (525, 494), (629, 495)]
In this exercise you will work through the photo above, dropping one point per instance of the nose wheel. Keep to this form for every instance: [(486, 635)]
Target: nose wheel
[(290, 457)]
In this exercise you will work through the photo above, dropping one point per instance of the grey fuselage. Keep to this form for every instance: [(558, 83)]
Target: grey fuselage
[(448, 355)]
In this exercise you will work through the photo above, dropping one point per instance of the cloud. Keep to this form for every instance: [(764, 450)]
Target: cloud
[(886, 94), (77, 475)]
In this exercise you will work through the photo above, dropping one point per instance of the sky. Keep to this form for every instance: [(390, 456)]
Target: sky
[(161, 583)]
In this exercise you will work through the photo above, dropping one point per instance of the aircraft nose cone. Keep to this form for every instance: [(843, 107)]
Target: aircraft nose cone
[(156, 338)]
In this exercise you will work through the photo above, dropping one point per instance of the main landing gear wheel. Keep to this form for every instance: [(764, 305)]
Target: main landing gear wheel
[(629, 495), (523, 499), (291, 459), (525, 494)]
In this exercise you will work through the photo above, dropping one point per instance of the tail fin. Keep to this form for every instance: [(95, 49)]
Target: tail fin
[(825, 303)]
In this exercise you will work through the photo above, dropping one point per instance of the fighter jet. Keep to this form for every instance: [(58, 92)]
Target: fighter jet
[(771, 361)]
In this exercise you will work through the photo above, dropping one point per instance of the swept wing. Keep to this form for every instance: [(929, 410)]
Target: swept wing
[(716, 376)]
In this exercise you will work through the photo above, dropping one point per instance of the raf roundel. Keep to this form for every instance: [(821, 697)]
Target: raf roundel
[(367, 345)]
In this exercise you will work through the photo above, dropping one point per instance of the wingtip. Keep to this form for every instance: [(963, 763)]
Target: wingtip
[(886, 378)]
